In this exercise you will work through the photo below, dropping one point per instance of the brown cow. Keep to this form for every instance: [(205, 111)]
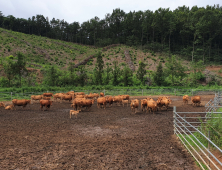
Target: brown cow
[(151, 106), (134, 105), (96, 95), (185, 99), (109, 99), (67, 97), (74, 112), (80, 96), (36, 97), (58, 96), (143, 104), (117, 100), (79, 93), (47, 98), (47, 94), (87, 103), (22, 102), (101, 101), (70, 93), (163, 101), (10, 107), (89, 96), (46, 103), (101, 94), (2, 104), (77, 103), (196, 100)]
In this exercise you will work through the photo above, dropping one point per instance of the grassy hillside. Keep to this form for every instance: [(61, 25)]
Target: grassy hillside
[(41, 51)]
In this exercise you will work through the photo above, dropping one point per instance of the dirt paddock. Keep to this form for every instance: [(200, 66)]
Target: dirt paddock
[(97, 139)]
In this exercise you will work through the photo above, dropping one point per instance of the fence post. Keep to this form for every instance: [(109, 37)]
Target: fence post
[(185, 123), (175, 92), (104, 92), (192, 92), (11, 96), (174, 119), (209, 147), (142, 92)]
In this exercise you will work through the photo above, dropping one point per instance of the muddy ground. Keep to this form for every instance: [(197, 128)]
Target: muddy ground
[(97, 139)]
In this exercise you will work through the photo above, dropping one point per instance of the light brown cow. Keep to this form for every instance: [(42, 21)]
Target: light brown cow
[(196, 100), (101, 101), (80, 96), (134, 105), (125, 102), (151, 106), (2, 104), (47, 94), (163, 101), (22, 102), (185, 99), (10, 107), (89, 96), (46, 103), (74, 112)]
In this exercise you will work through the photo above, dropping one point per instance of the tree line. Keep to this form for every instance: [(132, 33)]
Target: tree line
[(173, 74), (194, 33)]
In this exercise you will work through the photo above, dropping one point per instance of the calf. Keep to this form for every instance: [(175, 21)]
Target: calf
[(2, 104), (10, 107), (74, 112)]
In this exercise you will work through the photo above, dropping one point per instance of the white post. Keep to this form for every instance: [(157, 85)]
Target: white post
[(104, 92), (174, 119), (192, 92), (142, 92), (11, 95)]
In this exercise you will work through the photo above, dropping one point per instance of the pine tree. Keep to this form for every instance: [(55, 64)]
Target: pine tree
[(158, 75), (141, 72)]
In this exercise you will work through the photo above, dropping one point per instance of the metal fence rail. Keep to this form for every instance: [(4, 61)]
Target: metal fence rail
[(187, 127)]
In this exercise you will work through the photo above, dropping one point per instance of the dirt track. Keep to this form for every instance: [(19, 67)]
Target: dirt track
[(98, 139)]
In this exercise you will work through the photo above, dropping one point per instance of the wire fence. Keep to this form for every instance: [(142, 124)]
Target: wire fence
[(190, 128), (7, 96)]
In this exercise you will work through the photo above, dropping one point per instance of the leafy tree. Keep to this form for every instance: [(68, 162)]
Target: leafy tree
[(158, 75), (52, 76), (141, 72), (196, 68), (127, 76), (82, 76), (175, 69), (116, 72), (9, 69), (99, 68), (108, 76), (20, 68)]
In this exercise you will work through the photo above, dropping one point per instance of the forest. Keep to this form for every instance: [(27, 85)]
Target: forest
[(193, 33)]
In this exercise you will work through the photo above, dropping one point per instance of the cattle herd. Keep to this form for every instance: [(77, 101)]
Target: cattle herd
[(80, 100)]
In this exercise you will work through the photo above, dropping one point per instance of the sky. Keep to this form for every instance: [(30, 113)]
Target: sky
[(84, 10)]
